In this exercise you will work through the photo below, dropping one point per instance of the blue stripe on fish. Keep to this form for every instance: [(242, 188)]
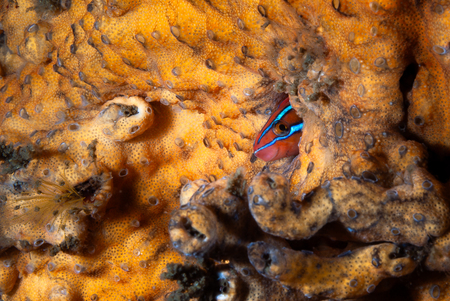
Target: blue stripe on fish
[(278, 118), (295, 128)]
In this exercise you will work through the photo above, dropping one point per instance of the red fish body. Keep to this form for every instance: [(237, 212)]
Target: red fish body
[(280, 135)]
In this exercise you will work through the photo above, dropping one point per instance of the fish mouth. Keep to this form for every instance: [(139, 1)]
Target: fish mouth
[(267, 154)]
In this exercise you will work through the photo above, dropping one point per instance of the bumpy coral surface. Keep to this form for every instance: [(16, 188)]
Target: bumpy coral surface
[(119, 120)]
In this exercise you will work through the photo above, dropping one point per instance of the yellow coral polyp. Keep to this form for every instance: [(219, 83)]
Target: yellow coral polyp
[(124, 118), (53, 211)]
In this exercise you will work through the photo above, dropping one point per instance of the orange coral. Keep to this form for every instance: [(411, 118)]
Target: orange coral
[(63, 111), (199, 227), (127, 101), (347, 276)]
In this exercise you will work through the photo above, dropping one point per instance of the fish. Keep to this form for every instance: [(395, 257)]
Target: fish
[(281, 134)]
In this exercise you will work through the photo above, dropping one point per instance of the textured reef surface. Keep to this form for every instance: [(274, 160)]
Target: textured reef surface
[(126, 140)]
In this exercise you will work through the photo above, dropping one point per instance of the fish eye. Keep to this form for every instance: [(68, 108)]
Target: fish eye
[(281, 129)]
